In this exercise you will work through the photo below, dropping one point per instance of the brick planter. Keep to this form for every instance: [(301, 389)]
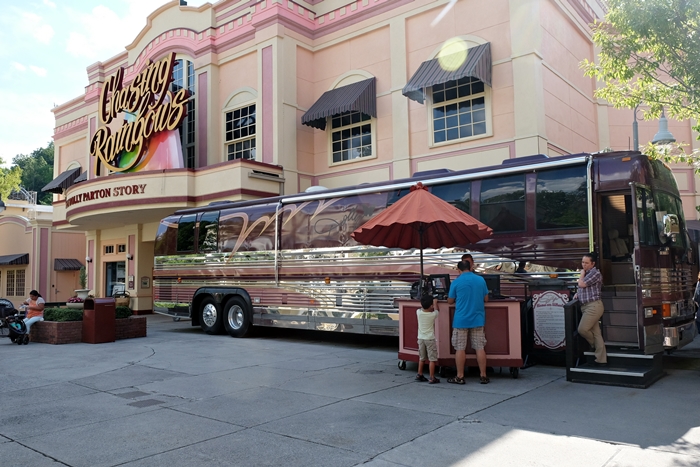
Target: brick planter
[(71, 332), (132, 327), (54, 332)]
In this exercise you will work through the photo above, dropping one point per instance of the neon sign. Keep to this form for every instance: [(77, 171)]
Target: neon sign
[(147, 97)]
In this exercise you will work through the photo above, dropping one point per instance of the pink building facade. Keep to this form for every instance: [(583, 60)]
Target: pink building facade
[(283, 95)]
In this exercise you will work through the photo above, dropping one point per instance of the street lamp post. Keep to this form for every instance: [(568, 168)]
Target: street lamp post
[(635, 129)]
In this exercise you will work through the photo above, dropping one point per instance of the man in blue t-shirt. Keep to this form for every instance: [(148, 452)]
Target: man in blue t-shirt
[(469, 293)]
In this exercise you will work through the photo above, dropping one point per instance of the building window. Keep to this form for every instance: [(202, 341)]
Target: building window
[(109, 249), (183, 77), (459, 109), (121, 248), (351, 136), (14, 287), (240, 133)]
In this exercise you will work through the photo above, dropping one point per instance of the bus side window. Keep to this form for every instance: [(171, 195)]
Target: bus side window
[(503, 203), (185, 233), (559, 203), (457, 194), (209, 231)]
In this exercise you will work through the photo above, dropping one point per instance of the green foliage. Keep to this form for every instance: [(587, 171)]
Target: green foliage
[(650, 55), (123, 312), (10, 180), (82, 277), (37, 171), (63, 314)]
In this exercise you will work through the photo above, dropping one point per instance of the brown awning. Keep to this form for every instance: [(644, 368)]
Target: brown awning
[(60, 264), (14, 259), (477, 65), (355, 97), (63, 181)]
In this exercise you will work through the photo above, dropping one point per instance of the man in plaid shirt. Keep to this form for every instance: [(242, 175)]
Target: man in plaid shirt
[(590, 283)]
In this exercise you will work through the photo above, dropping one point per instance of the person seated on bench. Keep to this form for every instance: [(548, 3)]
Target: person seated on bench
[(35, 309), (618, 247)]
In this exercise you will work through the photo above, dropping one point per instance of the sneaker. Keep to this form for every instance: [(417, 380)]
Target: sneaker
[(421, 378)]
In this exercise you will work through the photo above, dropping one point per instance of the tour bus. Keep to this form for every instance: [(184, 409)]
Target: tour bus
[(290, 261)]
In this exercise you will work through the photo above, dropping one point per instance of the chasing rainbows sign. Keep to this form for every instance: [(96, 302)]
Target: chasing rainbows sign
[(147, 97)]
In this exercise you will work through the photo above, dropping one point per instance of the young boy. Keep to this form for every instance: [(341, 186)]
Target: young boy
[(427, 348)]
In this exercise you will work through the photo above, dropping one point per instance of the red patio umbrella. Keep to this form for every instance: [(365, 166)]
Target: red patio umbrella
[(421, 220)]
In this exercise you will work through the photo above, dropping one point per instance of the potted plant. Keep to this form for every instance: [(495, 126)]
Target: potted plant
[(75, 302), (82, 292)]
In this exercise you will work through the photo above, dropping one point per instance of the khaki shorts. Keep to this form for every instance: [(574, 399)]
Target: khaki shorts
[(427, 350), (460, 336)]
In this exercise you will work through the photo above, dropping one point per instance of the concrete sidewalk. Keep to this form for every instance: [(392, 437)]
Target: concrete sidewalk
[(183, 398)]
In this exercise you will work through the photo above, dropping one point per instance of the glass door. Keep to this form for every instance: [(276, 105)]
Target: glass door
[(115, 278)]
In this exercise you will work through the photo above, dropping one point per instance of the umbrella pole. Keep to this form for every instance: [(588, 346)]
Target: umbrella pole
[(420, 242)]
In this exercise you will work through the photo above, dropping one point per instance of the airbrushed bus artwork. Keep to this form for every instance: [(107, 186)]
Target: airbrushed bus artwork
[(290, 261)]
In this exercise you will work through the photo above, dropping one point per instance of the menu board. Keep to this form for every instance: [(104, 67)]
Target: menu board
[(548, 310)]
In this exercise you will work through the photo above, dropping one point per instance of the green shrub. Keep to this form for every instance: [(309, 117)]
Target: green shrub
[(63, 314), (123, 312)]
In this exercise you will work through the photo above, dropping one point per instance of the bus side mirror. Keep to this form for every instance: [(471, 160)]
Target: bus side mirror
[(670, 226)]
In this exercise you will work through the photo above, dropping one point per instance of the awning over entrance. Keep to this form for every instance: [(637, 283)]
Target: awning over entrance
[(357, 97), (477, 65), (14, 259), (66, 264), (63, 181)]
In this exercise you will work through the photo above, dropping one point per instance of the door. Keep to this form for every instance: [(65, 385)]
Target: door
[(115, 278)]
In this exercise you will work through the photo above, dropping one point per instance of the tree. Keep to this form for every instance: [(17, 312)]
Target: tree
[(650, 55), (37, 171), (10, 180)]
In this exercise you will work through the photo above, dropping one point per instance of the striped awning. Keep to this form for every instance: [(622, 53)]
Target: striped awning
[(477, 65), (22, 258), (81, 178), (63, 181), (355, 97), (61, 264)]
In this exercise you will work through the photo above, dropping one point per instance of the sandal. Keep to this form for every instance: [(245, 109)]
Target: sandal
[(484, 380), (456, 380), (421, 378), (433, 381)]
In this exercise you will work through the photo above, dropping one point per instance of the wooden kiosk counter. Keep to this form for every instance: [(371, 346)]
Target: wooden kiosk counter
[(503, 334)]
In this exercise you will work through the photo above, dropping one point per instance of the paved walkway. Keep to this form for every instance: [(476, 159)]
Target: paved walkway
[(182, 398)]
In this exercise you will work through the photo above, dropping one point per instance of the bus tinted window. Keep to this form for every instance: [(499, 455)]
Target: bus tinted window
[(251, 228), (503, 203), (561, 196), (458, 194), (185, 232), (209, 231), (646, 217)]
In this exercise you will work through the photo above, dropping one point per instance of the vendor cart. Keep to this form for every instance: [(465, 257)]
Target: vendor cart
[(502, 328)]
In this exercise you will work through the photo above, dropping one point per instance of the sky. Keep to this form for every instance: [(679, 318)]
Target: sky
[(45, 48)]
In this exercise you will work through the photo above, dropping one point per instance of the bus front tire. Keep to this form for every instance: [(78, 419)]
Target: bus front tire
[(210, 317), (237, 319)]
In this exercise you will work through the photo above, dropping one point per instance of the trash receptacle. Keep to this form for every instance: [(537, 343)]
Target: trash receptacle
[(99, 320)]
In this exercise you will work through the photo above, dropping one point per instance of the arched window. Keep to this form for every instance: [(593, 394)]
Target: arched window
[(183, 77)]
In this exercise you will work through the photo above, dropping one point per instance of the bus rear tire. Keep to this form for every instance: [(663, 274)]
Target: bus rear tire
[(237, 320), (210, 318)]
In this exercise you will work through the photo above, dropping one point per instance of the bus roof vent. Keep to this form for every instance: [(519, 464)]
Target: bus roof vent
[(427, 173), (315, 188), (525, 159)]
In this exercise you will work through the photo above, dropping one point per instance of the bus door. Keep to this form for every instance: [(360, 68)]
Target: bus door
[(617, 264)]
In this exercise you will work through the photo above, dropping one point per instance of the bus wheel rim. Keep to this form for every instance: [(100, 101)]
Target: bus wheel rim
[(209, 315), (235, 317)]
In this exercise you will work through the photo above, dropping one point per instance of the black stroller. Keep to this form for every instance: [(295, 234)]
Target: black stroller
[(12, 323)]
